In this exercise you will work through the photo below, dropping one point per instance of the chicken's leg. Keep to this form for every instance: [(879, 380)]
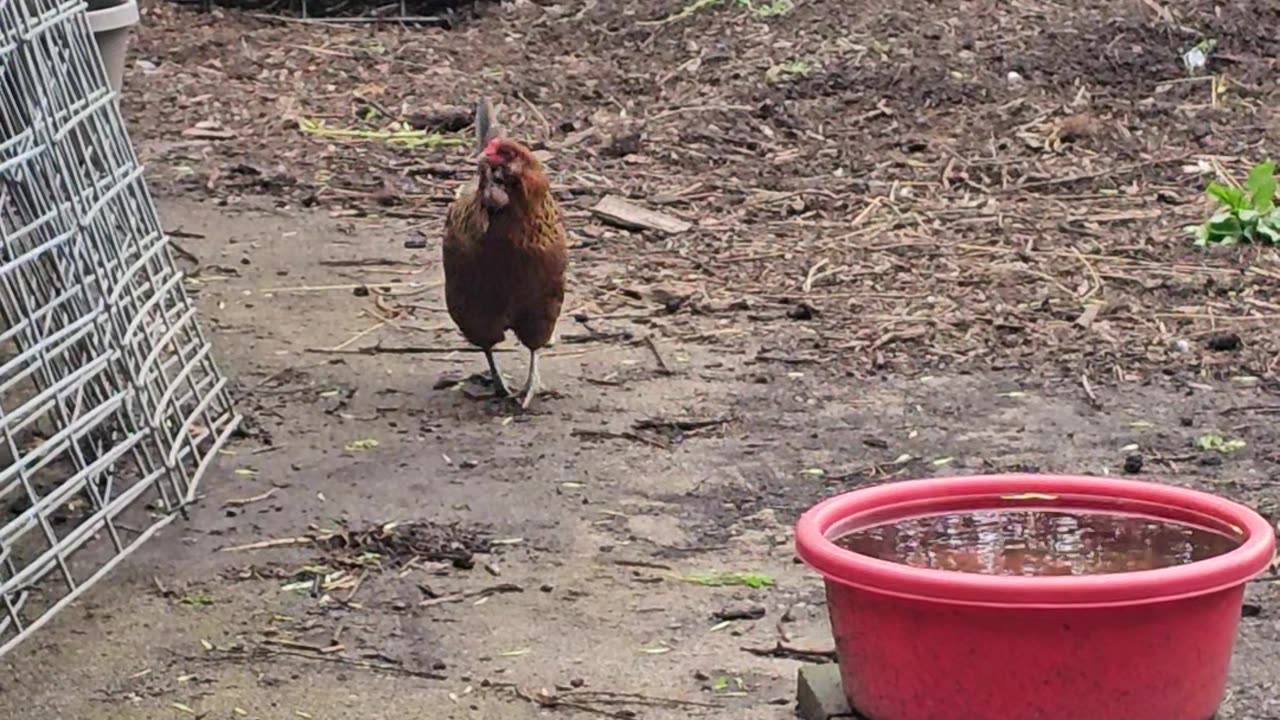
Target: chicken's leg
[(531, 385), (499, 385)]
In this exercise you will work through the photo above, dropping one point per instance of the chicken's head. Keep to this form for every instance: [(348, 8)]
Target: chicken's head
[(508, 169), (506, 161)]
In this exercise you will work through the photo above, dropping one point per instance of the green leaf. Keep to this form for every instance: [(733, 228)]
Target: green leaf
[(196, 600), (1216, 443), (1233, 198), (1262, 186), (1224, 225), (756, 581), (1261, 173), (1245, 215)]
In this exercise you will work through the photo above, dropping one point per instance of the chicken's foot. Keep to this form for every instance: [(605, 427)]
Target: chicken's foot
[(531, 385), (499, 385)]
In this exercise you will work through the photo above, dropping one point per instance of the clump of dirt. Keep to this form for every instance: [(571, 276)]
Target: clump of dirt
[(404, 542)]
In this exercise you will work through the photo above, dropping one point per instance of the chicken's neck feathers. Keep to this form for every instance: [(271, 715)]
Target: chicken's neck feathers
[(526, 222)]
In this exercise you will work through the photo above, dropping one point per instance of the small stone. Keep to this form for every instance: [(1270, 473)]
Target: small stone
[(417, 242), (577, 682), (819, 695), (627, 142), (802, 311), (700, 676), (1133, 464), (1224, 342), (740, 612)]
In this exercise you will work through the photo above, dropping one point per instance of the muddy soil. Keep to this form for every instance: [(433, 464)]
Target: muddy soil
[(927, 238)]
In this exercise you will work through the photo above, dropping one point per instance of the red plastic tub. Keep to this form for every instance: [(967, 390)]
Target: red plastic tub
[(918, 644)]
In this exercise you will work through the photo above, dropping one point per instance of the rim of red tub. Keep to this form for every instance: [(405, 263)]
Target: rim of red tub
[(1205, 576)]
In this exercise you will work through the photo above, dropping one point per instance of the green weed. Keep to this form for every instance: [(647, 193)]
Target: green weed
[(1245, 215), (787, 71), (756, 581)]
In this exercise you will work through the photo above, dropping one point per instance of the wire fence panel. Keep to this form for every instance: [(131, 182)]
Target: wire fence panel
[(111, 406)]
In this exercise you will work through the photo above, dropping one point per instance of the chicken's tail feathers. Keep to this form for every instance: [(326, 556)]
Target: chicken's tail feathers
[(486, 122)]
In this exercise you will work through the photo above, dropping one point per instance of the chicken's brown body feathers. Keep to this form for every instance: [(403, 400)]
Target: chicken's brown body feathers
[(504, 267)]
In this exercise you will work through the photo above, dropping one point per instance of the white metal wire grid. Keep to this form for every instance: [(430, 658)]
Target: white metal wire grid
[(111, 407)]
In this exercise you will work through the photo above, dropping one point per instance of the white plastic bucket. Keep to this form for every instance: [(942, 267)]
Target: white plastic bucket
[(111, 28)]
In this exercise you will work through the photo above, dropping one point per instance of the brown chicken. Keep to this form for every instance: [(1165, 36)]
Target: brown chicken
[(505, 253)]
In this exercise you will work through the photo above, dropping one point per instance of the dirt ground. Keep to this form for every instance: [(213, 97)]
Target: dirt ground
[(927, 238)]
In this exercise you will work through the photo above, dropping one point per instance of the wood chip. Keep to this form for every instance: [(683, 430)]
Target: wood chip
[(1089, 315), (206, 133), (627, 215)]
